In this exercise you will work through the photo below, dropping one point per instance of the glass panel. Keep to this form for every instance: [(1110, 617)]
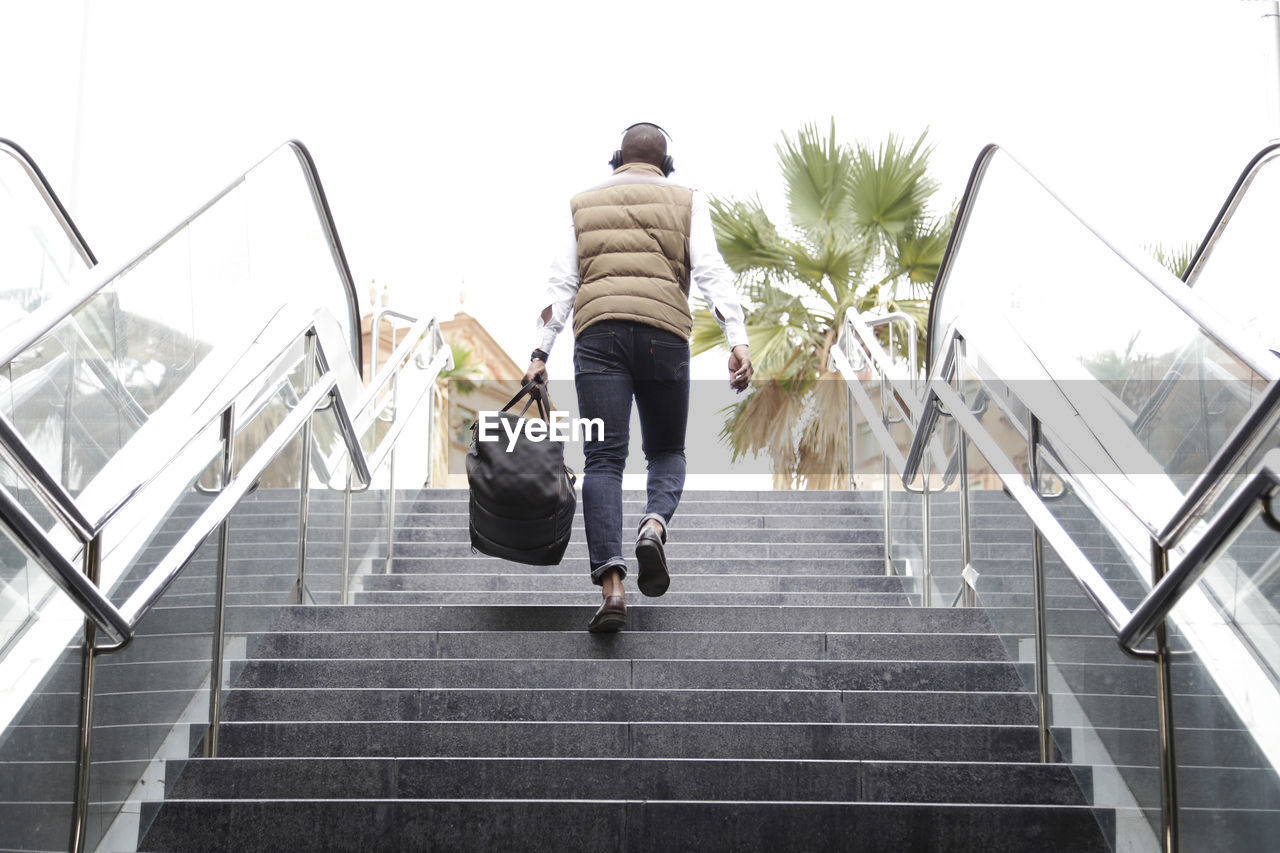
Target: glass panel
[(170, 327), (1000, 545), (1119, 375), (1102, 707), (39, 260), (325, 510), (24, 584), (149, 527), (1103, 712), (16, 574), (39, 706), (151, 701), (906, 537), (945, 558), (1225, 699), (1236, 277)]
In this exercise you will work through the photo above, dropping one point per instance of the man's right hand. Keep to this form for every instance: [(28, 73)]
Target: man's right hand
[(740, 369), (537, 372)]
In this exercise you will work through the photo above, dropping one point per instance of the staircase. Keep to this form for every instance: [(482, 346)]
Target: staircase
[(782, 695)]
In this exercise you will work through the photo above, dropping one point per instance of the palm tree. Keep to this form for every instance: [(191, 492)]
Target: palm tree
[(1174, 258), (860, 236)]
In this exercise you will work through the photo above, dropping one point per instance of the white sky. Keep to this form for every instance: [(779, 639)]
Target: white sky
[(450, 137)]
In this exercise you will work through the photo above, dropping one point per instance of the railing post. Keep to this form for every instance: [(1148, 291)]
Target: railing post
[(346, 538), (884, 472), (968, 593), (304, 478), (220, 596), (391, 478), (84, 740), (391, 510), (1164, 713), (1038, 594), (926, 551)]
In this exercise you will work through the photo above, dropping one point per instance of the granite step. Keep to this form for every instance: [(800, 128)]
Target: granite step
[(811, 741), (622, 778), (892, 645), (744, 705), (625, 673), (617, 825), (566, 581)]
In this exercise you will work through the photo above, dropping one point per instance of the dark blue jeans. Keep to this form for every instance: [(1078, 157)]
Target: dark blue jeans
[(614, 362)]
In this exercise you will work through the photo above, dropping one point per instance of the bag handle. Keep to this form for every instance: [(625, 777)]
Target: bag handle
[(536, 393)]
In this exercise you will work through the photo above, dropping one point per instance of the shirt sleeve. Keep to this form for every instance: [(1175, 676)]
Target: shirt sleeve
[(712, 275), (562, 289)]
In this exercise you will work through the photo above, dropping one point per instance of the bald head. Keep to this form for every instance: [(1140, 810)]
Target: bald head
[(644, 143)]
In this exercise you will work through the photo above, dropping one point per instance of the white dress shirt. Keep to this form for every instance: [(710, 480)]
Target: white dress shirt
[(708, 271)]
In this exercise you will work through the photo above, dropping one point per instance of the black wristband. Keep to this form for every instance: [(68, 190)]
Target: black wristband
[(538, 355)]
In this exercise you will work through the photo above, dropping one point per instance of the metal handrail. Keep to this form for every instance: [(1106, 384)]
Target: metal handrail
[(1162, 598), (27, 332), (401, 356), (51, 199), (1129, 627), (1259, 359), (1227, 211), (1254, 499), (940, 393), (121, 623)]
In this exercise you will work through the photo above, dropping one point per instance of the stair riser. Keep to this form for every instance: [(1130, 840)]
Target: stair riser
[(634, 645), (578, 705), (639, 674), (619, 779), (607, 826), (639, 618), (808, 741)]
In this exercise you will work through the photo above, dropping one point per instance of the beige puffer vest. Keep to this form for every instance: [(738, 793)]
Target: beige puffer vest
[(633, 251)]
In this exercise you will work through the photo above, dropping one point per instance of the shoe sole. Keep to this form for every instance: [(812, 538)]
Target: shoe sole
[(654, 578), (610, 623)]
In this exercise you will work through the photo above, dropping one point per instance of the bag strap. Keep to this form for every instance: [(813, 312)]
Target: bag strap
[(536, 393)]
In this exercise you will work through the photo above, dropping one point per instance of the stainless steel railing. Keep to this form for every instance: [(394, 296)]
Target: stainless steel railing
[(330, 367), (422, 349), (1179, 540), (1131, 627), (51, 199)]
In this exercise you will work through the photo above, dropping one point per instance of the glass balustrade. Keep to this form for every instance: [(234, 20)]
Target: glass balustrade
[(120, 402), (164, 327), (1226, 741), (1121, 375), (1130, 387), (39, 261), (1229, 276)]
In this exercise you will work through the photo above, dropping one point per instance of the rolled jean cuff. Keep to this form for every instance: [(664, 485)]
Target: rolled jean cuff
[(597, 575), (658, 519)]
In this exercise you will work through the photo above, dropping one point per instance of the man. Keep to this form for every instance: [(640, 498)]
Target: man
[(636, 242)]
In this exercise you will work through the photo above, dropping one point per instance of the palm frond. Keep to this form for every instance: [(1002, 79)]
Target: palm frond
[(1175, 258), (822, 457), (916, 254), (890, 186), (746, 236), (817, 172)]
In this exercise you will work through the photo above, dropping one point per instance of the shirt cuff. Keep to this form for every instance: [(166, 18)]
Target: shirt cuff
[(545, 341), (736, 334)]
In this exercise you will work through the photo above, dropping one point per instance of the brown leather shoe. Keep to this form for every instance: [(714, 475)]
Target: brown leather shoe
[(654, 579), (611, 617)]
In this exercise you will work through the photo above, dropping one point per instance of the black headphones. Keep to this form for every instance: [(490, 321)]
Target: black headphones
[(668, 165)]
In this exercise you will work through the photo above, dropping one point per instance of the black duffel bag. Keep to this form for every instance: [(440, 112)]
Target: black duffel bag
[(522, 498)]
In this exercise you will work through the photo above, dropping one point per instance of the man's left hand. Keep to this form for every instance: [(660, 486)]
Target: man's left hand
[(740, 369)]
